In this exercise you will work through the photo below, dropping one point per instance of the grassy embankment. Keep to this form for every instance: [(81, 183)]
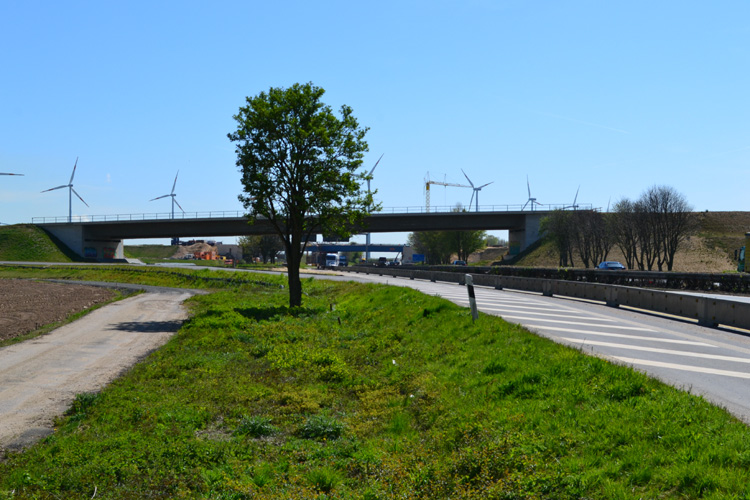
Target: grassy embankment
[(373, 392), (26, 242), (154, 252)]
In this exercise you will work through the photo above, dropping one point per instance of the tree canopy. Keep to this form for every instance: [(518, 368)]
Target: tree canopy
[(298, 162), (439, 246)]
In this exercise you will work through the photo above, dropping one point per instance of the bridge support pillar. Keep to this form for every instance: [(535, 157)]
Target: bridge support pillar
[(520, 238), (78, 239)]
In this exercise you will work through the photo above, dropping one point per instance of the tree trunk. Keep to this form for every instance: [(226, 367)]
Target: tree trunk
[(293, 258)]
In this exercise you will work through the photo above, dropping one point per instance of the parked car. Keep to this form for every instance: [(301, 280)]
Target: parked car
[(611, 265), (459, 262)]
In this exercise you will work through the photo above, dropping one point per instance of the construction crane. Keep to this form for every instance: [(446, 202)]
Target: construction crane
[(427, 183)]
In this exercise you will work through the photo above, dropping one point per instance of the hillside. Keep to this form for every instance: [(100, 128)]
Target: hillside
[(26, 242), (711, 249)]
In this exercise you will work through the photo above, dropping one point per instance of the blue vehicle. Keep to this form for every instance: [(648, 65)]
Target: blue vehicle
[(611, 265)]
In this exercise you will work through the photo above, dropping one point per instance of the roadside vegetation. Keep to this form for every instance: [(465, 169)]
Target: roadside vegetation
[(26, 242), (369, 391)]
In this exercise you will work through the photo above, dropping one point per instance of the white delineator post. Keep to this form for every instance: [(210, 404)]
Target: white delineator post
[(472, 300)]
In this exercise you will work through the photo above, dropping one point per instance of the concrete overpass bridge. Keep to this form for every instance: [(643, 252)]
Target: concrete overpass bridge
[(101, 237)]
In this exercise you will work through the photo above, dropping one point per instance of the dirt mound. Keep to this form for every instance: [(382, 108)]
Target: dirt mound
[(191, 249)]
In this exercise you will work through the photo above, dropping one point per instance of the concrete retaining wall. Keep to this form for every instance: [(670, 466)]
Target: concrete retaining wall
[(708, 311)]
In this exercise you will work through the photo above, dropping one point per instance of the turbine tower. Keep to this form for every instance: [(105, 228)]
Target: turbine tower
[(171, 195), (476, 191), (369, 176), (69, 185)]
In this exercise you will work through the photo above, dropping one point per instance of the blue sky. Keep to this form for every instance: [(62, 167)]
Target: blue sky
[(613, 97)]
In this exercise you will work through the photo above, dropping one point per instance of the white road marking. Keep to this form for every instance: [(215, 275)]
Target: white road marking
[(658, 350), (574, 323), (688, 368), (534, 308), (622, 335), (571, 314)]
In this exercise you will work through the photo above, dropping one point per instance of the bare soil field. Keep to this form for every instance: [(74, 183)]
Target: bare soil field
[(26, 305)]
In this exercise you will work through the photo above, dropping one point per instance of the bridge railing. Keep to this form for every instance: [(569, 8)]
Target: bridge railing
[(239, 213), (137, 217)]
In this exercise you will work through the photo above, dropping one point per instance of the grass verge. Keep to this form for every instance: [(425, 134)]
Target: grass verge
[(377, 392)]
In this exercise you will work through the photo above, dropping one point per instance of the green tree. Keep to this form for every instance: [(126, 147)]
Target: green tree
[(439, 246), (432, 244), (265, 246), (298, 162)]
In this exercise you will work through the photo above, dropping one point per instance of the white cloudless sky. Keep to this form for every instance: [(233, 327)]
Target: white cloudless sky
[(613, 97)]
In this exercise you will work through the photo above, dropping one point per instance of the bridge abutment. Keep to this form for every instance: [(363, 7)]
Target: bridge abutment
[(79, 239)]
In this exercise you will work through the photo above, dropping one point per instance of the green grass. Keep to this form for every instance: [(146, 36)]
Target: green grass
[(157, 252), (376, 392), (25, 242)]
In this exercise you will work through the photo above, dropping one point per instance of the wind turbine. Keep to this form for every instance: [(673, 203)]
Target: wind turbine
[(69, 185), (574, 206), (371, 171), (531, 200), (171, 195), (476, 191), (367, 243)]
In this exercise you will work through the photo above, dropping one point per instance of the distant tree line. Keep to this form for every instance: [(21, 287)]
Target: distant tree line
[(648, 231), (265, 247), (439, 247)]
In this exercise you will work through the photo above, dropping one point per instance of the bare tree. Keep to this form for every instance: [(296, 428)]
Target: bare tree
[(650, 230), (625, 231), (558, 228), (671, 222)]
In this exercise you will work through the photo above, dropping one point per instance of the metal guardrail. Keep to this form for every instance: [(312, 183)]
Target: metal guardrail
[(706, 282), (708, 311)]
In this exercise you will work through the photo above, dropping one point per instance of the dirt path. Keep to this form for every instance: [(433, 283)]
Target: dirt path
[(40, 378)]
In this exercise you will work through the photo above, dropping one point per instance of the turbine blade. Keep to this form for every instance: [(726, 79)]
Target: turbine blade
[(79, 196), (524, 205), (178, 204), (175, 182), (160, 197), (472, 199), (574, 199), (528, 186), (376, 164), (467, 177), (74, 171), (3, 173), (483, 185), (52, 189)]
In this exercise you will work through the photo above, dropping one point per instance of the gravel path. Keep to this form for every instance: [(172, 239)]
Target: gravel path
[(40, 378)]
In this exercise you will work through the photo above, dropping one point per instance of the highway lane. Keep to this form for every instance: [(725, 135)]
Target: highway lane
[(710, 362)]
